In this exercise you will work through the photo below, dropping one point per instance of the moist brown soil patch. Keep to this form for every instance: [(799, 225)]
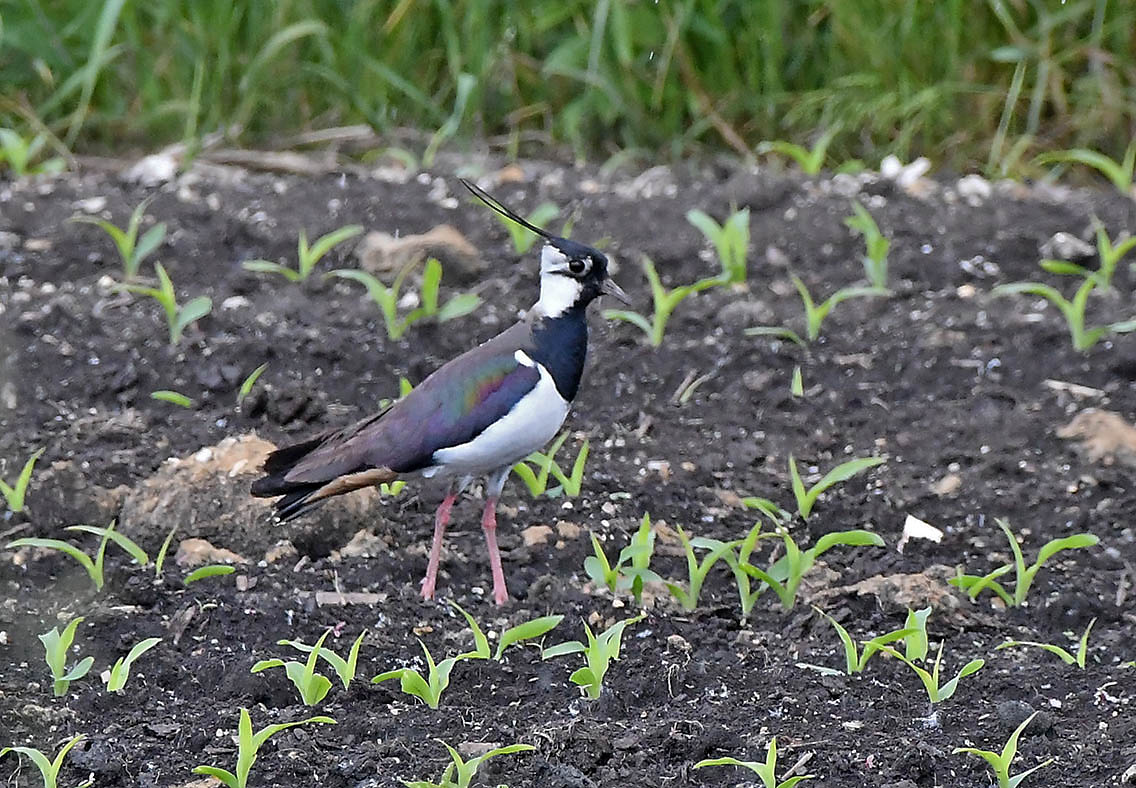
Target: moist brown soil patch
[(946, 382)]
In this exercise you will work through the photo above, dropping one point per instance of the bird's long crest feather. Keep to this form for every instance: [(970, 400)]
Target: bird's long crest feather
[(503, 209)]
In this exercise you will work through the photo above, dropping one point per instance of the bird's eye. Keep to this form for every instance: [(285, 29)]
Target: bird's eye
[(578, 266)]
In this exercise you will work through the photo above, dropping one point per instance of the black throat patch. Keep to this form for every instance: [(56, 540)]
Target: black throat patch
[(560, 345)]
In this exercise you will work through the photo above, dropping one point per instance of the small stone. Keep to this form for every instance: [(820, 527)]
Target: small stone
[(536, 535), (91, 204), (974, 189), (948, 485), (38, 245), (1066, 246)]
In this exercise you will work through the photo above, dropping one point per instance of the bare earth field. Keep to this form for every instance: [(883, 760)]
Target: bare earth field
[(961, 392)]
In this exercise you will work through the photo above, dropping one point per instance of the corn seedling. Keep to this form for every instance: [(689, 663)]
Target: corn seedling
[(797, 385), (56, 647), (160, 559), (767, 771), (344, 668), (875, 259), (248, 744), (1109, 253), (529, 630), (1023, 575), (387, 298), (120, 671), (936, 691), (1000, 762), (809, 160), (816, 313), (391, 489), (249, 382), (429, 690), (311, 685), (1119, 173), (459, 773), (730, 240), (178, 318), (172, 397), (93, 566), (1058, 651), (633, 567), (697, 570), (522, 237), (665, 302), (210, 570), (855, 660), (19, 154), (545, 462), (132, 250), (599, 652), (806, 498), (1073, 310), (785, 575), (306, 256), (15, 494), (48, 769)]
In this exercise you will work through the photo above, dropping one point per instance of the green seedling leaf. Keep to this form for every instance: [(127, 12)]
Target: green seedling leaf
[(730, 241), (806, 499), (936, 691), (122, 540), (916, 643), (1120, 173), (480, 641), (269, 267), (1000, 762), (160, 560), (344, 668), (459, 773), (56, 647), (809, 160), (875, 260), (248, 744), (428, 690), (120, 672), (599, 652), (172, 397), (767, 771), (250, 381), (1069, 659), (696, 570), (48, 769), (94, 568), (212, 570), (530, 630), (665, 302), (14, 495)]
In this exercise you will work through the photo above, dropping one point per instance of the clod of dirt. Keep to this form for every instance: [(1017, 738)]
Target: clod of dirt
[(1105, 436), (902, 591), (1066, 246), (536, 535), (381, 253), (364, 544), (196, 552), (207, 496)]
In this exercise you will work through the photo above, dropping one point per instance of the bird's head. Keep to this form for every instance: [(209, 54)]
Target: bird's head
[(572, 275)]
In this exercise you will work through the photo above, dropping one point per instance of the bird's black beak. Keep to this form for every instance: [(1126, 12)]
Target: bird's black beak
[(609, 287)]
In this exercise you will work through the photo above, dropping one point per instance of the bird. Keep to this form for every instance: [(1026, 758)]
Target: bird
[(475, 417)]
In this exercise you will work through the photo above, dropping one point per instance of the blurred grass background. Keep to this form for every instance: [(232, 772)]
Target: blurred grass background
[(973, 84)]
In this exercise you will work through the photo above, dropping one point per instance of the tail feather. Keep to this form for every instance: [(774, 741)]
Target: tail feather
[(297, 498)]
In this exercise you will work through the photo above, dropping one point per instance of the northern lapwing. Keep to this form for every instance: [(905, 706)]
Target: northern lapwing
[(476, 416)]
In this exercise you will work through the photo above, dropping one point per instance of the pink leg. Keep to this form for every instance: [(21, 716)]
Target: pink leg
[(489, 526), (440, 519)]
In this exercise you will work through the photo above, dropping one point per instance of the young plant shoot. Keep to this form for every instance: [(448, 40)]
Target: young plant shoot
[(665, 302), (730, 240), (14, 495), (92, 566), (936, 691), (697, 570), (854, 660), (429, 690), (132, 250), (48, 768), (633, 567), (1069, 659), (119, 673), (311, 685), (875, 258), (344, 668), (767, 771), (529, 630), (248, 744), (815, 313), (810, 160), (1000, 762), (599, 652), (1023, 575), (459, 773), (806, 498), (545, 462), (306, 256), (57, 647), (178, 318)]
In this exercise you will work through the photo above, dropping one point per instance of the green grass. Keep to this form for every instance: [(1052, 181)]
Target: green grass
[(600, 76)]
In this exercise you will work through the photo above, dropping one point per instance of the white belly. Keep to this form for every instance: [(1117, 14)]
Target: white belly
[(531, 424)]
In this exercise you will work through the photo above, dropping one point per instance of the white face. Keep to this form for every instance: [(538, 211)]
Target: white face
[(558, 289)]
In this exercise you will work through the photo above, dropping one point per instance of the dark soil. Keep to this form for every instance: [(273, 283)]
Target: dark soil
[(946, 382)]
